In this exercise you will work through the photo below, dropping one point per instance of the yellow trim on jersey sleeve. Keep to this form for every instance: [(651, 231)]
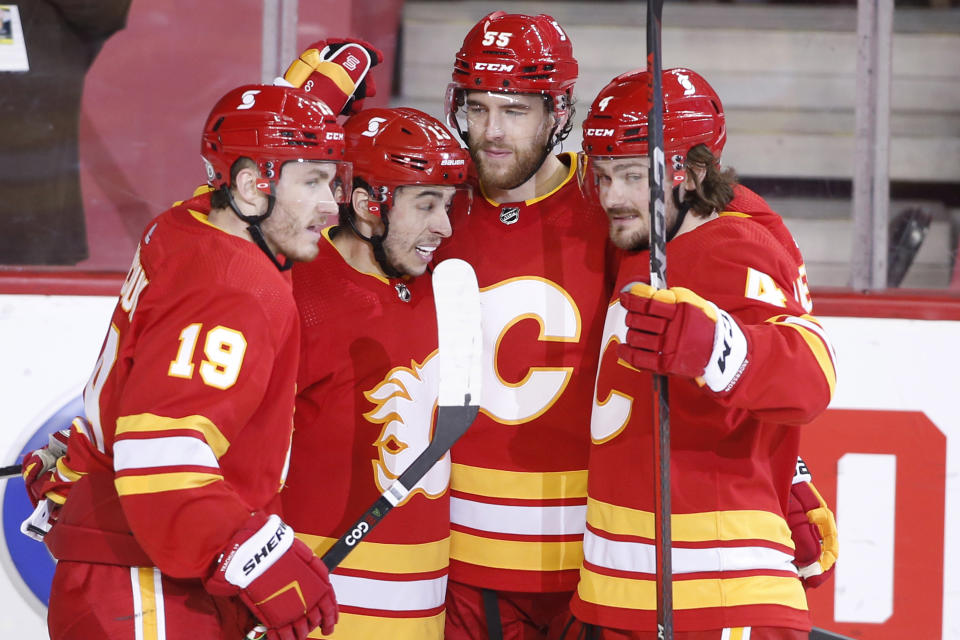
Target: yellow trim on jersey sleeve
[(817, 348), (734, 214), (149, 422), (66, 472), (693, 594), (387, 558), (162, 482), (352, 625), (514, 554), (497, 483), (691, 527)]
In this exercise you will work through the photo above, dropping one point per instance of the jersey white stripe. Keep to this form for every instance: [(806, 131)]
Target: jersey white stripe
[(389, 595), (817, 329), (158, 598), (640, 557), (163, 452), (137, 603), (534, 520)]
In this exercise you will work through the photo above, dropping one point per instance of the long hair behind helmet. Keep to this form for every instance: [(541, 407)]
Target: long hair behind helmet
[(516, 53), (616, 124)]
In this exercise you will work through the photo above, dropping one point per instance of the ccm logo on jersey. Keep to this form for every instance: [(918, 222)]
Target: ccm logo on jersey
[(600, 132), (493, 66)]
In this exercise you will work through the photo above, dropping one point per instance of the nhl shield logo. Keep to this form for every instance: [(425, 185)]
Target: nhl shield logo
[(509, 215)]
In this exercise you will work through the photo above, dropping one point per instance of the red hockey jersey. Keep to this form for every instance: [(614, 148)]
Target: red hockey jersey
[(365, 409), (190, 403), (732, 456), (518, 483)]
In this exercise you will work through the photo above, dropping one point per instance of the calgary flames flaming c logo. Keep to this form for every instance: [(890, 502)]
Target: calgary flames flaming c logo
[(406, 402)]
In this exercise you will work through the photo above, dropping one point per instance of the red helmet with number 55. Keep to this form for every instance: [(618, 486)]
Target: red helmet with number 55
[(390, 148), (515, 53), (616, 124), (270, 125)]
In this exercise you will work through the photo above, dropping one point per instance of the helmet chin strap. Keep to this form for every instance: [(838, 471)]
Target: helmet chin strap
[(682, 208), (376, 242), (256, 233)]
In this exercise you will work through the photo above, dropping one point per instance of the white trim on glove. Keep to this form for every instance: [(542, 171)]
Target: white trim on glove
[(249, 561), (729, 357)]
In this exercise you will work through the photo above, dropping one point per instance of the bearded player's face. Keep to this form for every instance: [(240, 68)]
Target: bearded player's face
[(621, 183), (508, 134)]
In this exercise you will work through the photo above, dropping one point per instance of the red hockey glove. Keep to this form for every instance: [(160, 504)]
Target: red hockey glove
[(336, 71), (279, 579), (813, 528), (676, 332), (38, 464)]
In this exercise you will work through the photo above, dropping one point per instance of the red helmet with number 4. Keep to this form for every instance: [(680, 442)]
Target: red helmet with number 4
[(390, 148), (271, 125), (616, 124), (515, 53)]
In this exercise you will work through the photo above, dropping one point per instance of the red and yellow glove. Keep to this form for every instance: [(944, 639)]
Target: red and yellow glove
[(337, 71), (38, 466), (676, 332), (813, 529), (278, 577)]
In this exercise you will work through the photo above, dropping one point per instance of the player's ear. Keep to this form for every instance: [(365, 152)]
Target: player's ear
[(367, 217), (245, 185)]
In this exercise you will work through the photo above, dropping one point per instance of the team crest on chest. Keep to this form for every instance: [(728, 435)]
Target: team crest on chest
[(404, 403), (509, 215)]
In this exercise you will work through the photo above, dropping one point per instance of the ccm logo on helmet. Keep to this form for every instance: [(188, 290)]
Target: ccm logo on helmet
[(271, 545), (493, 66), (334, 135), (603, 133)]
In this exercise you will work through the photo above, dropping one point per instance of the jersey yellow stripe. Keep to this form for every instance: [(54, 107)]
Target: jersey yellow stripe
[(161, 482), (352, 625), (496, 483), (691, 527), (68, 473), (693, 594), (148, 422), (819, 351), (388, 558), (514, 554), (147, 616)]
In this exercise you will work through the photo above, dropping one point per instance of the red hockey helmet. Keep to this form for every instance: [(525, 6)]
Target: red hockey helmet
[(616, 124), (514, 53), (270, 125), (390, 148)]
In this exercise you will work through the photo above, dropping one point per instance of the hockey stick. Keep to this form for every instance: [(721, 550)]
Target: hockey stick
[(460, 343), (8, 472), (658, 279)]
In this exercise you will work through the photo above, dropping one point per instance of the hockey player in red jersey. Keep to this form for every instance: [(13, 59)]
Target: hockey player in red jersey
[(368, 376), (167, 530), (746, 364), (518, 480)]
